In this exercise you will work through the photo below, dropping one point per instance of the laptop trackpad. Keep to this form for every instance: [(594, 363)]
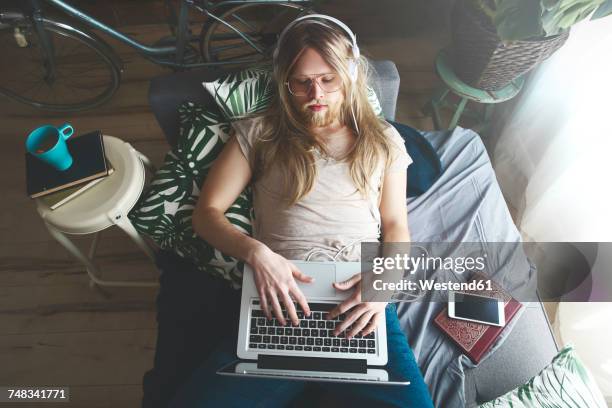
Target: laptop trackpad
[(324, 276)]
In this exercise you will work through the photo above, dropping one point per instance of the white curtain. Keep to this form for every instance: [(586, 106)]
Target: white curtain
[(554, 155), (553, 159)]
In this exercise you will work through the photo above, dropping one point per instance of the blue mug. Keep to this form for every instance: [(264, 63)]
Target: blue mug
[(48, 143)]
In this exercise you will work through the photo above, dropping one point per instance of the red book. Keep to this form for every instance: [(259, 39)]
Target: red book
[(475, 339)]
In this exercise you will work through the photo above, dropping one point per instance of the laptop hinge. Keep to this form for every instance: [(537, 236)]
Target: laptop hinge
[(342, 365)]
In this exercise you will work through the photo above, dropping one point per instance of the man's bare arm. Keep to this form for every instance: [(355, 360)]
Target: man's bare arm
[(227, 178), (393, 211), (394, 224), (274, 275)]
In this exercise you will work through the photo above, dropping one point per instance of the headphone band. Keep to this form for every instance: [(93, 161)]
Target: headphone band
[(347, 30)]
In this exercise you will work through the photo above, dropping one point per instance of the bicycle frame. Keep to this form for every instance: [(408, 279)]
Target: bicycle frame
[(154, 53)]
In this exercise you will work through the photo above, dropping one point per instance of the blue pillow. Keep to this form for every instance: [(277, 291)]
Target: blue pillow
[(425, 167)]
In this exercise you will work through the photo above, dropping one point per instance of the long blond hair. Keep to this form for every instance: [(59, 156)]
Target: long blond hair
[(286, 141)]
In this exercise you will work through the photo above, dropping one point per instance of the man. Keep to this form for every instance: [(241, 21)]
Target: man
[(327, 174)]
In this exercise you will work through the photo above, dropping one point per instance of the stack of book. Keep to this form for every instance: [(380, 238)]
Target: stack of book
[(89, 167)]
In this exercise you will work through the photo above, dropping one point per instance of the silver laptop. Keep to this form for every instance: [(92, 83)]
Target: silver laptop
[(309, 351)]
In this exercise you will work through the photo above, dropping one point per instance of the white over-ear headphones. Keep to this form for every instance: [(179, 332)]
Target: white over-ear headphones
[(353, 62)]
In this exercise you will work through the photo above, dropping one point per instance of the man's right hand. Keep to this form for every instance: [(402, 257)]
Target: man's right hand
[(275, 280)]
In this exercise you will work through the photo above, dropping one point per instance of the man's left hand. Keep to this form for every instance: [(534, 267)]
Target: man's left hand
[(364, 316)]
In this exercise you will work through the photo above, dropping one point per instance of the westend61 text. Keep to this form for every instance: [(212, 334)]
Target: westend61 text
[(406, 285)]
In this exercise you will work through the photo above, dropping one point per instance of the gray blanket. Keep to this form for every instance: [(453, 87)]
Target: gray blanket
[(464, 205)]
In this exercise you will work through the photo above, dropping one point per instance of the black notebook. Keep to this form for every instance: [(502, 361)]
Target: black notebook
[(88, 163)]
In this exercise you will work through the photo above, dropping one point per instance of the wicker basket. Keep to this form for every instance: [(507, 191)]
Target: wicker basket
[(482, 60)]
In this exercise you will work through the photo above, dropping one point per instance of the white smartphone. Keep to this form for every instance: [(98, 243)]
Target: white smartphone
[(476, 308)]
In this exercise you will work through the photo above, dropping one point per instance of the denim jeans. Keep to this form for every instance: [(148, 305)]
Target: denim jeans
[(188, 304), (208, 389)]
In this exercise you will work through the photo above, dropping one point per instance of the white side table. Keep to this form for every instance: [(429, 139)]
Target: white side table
[(102, 206)]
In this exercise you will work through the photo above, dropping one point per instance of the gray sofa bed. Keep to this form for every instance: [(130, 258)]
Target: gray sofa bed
[(528, 347)]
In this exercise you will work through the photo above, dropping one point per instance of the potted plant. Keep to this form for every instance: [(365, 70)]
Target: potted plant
[(496, 41)]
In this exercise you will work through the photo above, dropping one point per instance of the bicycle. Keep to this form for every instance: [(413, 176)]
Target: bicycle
[(61, 66)]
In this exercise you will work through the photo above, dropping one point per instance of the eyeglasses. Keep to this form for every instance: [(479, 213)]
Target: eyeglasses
[(302, 84)]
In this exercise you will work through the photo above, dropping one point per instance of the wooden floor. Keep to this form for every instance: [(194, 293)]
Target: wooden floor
[(54, 329)]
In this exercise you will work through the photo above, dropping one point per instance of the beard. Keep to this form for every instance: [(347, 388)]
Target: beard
[(325, 117)]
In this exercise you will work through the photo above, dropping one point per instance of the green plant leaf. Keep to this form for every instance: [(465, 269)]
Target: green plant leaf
[(525, 19), (518, 20), (566, 14), (549, 4), (603, 10)]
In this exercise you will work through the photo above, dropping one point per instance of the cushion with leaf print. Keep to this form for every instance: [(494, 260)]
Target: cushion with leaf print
[(564, 383), (164, 210), (241, 94)]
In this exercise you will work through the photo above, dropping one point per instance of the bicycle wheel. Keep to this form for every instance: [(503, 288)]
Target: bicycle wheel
[(86, 75), (262, 23)]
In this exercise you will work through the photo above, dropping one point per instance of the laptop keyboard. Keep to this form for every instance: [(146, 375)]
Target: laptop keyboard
[(313, 334)]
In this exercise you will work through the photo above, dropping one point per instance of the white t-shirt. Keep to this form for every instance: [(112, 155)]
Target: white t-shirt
[(331, 216)]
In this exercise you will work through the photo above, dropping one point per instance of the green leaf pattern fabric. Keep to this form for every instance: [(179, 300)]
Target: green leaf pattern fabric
[(564, 383), (165, 209), (242, 94)]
